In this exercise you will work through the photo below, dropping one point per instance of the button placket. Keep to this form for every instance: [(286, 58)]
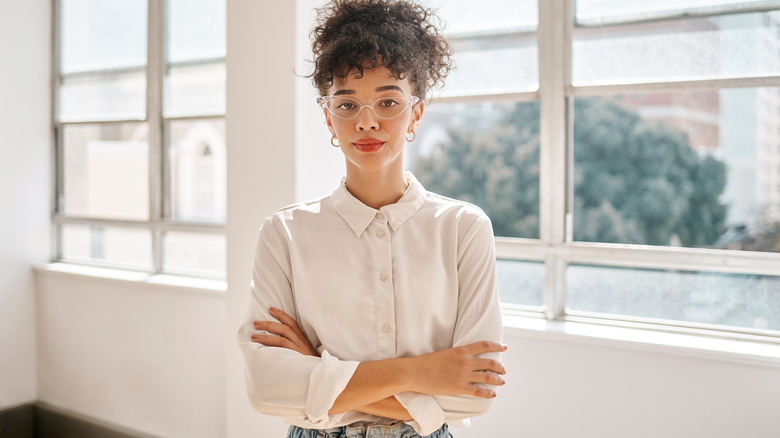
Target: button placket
[(385, 316)]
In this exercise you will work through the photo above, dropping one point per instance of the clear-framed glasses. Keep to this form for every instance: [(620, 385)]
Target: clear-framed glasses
[(345, 107)]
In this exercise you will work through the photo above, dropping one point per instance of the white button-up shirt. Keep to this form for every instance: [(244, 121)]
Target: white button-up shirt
[(411, 278)]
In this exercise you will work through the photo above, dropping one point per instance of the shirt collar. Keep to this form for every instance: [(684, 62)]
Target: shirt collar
[(359, 216)]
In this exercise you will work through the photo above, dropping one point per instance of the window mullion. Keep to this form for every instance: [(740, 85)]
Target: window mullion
[(553, 65), (56, 200), (154, 87)]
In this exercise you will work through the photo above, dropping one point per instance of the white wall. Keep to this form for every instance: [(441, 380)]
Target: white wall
[(261, 139), (319, 166), (562, 387), (24, 187), (146, 357)]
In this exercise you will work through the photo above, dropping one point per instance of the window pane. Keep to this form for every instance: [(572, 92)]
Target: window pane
[(195, 70), (521, 282), (494, 43), (695, 169), (195, 29), (110, 96), (749, 301), (470, 17), (486, 65), (106, 171), (191, 253), (195, 90), (716, 47), (197, 170), (121, 247), (99, 34), (599, 9), (486, 154)]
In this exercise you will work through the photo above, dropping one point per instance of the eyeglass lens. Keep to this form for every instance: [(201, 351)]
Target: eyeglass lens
[(348, 108)]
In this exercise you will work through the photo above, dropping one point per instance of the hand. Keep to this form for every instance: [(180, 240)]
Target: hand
[(455, 371), (286, 334)]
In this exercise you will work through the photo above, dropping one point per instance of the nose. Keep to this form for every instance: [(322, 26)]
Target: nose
[(367, 120)]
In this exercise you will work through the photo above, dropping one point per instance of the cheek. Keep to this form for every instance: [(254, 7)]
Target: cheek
[(338, 126), (401, 124)]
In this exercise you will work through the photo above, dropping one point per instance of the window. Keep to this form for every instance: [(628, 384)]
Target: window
[(140, 135), (616, 146)]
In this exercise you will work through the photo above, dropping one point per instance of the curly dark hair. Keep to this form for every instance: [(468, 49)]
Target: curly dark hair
[(401, 36)]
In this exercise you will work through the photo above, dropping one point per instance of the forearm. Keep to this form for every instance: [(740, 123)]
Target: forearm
[(389, 407), (371, 383), (453, 371)]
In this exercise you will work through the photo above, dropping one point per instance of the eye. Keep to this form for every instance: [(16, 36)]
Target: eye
[(388, 102), (345, 105)]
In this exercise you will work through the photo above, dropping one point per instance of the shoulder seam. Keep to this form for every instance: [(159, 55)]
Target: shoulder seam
[(301, 204)]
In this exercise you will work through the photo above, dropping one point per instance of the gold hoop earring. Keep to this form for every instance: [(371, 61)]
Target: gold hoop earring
[(414, 135), (333, 142)]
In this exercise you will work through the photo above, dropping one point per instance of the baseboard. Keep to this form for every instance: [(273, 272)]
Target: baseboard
[(18, 421), (38, 420)]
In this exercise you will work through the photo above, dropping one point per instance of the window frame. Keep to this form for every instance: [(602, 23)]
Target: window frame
[(556, 247), (160, 197)]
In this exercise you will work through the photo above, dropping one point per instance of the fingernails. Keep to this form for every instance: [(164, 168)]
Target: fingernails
[(505, 346), (273, 309), (492, 394)]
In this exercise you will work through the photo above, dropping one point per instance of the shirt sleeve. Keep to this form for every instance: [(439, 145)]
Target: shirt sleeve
[(281, 382), (479, 319)]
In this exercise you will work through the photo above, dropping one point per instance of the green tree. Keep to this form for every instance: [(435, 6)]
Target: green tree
[(634, 181), (644, 177), (496, 170)]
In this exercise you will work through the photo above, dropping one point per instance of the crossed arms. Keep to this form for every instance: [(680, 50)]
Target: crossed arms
[(373, 385)]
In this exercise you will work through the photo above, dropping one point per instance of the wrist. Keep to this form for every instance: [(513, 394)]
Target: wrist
[(404, 374)]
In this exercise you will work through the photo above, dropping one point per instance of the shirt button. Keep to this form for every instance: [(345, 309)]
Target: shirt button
[(380, 233), (380, 216), (386, 328), (383, 277)]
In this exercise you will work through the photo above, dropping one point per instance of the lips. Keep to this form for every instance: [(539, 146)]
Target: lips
[(368, 145)]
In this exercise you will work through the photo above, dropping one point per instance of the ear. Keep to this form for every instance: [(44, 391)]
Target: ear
[(329, 122), (417, 113)]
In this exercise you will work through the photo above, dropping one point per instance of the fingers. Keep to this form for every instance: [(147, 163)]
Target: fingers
[(286, 320), (275, 341), (482, 392), (487, 378), (489, 365), (484, 347), (286, 333), (276, 328)]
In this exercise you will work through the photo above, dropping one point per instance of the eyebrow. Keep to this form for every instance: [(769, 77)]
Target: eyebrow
[(382, 88)]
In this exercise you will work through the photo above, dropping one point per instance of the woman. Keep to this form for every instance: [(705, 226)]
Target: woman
[(374, 310)]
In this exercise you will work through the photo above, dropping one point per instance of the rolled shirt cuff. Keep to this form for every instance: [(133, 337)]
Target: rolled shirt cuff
[(326, 382), (427, 415)]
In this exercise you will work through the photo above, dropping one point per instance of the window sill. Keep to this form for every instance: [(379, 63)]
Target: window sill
[(174, 283), (728, 350)]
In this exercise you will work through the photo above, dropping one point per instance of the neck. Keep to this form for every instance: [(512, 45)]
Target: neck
[(376, 189)]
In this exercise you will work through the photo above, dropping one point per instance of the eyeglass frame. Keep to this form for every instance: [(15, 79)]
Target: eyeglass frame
[(411, 101)]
